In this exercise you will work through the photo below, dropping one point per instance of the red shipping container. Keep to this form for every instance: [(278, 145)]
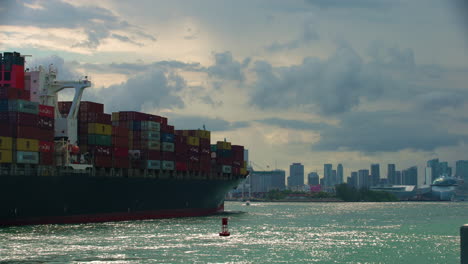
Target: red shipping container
[(44, 134), (46, 111), (25, 132), (46, 146), (168, 155), (86, 106), (103, 161), (204, 142), (151, 154), (194, 158), (119, 131), (103, 151), (154, 118), (10, 93), (120, 152), (18, 76), (193, 166), (167, 129), (120, 142), (205, 151), (46, 123), (19, 118), (6, 130), (235, 171), (46, 158), (181, 166), (123, 163)]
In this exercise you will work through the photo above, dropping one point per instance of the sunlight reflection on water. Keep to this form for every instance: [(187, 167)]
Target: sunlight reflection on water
[(265, 233)]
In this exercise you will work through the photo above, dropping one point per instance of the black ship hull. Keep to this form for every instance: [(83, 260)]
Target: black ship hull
[(27, 200)]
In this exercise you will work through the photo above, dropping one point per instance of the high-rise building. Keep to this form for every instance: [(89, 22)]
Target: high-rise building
[(410, 176), (363, 179), (313, 178), (398, 180), (264, 181), (444, 169), (461, 167), (354, 179), (391, 174), (339, 174), (434, 165), (296, 174), (327, 174), (428, 176), (333, 178), (375, 174)]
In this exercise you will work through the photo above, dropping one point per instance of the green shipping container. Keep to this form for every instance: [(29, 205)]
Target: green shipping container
[(168, 146), (100, 140), (151, 135), (153, 164), (23, 106), (27, 157), (227, 169), (213, 148), (167, 165), (153, 126), (154, 144)]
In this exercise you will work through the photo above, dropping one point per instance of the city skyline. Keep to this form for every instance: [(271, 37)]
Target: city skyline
[(308, 81)]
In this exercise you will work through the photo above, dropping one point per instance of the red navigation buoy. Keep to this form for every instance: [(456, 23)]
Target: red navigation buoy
[(224, 228)]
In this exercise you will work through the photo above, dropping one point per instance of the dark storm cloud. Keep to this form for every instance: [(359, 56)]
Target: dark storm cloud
[(387, 132), (197, 122), (97, 22), (292, 124), (226, 67), (435, 101), (155, 89), (333, 86), (368, 4), (307, 35), (133, 68)]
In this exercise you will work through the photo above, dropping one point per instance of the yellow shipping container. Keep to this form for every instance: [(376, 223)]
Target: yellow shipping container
[(243, 171), (6, 156), (193, 141), (245, 164), (204, 134), (185, 133), (99, 129), (6, 143), (25, 144), (115, 116), (223, 145)]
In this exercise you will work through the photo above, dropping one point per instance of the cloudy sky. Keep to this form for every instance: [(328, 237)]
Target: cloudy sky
[(312, 81)]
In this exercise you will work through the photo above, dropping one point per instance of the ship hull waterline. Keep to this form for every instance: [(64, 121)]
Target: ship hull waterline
[(30, 200)]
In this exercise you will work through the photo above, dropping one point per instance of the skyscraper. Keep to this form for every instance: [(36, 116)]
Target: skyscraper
[(363, 179), (354, 179), (410, 176), (327, 174), (444, 169), (339, 174), (391, 174), (375, 174), (296, 174), (398, 180), (333, 178), (434, 165), (428, 176), (462, 169), (264, 181), (313, 178)]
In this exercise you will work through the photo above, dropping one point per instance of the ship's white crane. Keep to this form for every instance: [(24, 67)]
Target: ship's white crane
[(66, 127)]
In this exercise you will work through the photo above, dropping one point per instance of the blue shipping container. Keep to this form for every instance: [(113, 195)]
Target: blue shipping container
[(166, 137)]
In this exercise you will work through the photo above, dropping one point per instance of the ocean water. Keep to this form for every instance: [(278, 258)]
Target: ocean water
[(404, 232)]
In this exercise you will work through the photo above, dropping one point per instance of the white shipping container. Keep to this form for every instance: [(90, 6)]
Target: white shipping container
[(167, 165), (227, 169)]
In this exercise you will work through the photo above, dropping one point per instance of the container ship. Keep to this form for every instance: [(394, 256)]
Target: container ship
[(69, 162)]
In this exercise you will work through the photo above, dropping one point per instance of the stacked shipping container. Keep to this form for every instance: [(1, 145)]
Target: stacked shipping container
[(193, 150), (94, 132), (26, 128)]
